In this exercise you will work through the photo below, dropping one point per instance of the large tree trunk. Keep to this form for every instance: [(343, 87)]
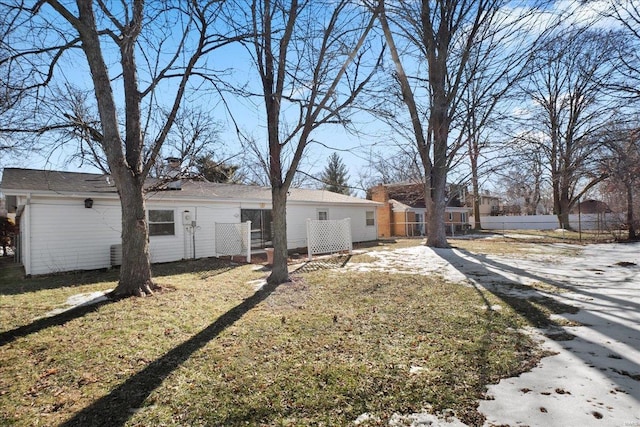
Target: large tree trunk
[(280, 270), (563, 220), (135, 272), (630, 221), (563, 212), (439, 128), (477, 225), (436, 232)]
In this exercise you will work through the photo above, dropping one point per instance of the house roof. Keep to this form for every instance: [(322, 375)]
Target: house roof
[(402, 207), (591, 207), (21, 181), (31, 180), (410, 195)]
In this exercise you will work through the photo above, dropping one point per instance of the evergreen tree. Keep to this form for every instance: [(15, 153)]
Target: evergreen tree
[(334, 177), (213, 171)]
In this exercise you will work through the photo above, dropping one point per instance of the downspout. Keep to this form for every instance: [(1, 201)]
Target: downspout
[(406, 222), (26, 254)]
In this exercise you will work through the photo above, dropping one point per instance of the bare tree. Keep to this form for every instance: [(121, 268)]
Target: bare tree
[(571, 108), (311, 58), (627, 14), (194, 137), (497, 62), (394, 163), (523, 181), (444, 34), (133, 51), (622, 166), (13, 91)]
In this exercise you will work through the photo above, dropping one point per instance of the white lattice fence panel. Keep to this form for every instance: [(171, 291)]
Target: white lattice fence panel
[(328, 236), (233, 239)]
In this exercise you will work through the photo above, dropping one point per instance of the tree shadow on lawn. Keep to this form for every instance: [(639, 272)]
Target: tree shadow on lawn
[(481, 271), (21, 285), (13, 284), (51, 321), (118, 406), (207, 267), (323, 263)]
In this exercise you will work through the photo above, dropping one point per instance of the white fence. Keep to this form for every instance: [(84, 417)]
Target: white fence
[(233, 239), (591, 222), (328, 236)]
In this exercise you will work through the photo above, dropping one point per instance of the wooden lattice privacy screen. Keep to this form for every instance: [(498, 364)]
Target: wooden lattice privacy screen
[(328, 236), (233, 239)]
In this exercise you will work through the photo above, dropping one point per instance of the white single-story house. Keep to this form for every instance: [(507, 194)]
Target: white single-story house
[(71, 221)]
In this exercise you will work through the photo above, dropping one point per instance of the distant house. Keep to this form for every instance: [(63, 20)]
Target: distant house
[(403, 210), (490, 204), (591, 207), (72, 221)]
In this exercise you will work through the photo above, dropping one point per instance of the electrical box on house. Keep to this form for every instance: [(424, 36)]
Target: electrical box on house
[(187, 217)]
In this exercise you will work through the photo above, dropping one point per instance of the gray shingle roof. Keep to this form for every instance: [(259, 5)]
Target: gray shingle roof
[(16, 180), (32, 180)]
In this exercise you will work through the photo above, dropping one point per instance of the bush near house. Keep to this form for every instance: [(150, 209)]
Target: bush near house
[(8, 231)]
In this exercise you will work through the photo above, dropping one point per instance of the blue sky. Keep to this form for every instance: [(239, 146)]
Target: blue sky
[(248, 113), (354, 150)]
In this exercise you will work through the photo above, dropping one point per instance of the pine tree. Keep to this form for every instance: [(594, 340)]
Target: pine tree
[(334, 177), (213, 171)]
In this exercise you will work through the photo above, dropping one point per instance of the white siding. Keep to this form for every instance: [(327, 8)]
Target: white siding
[(297, 222), (167, 248), (548, 222), (60, 234), (180, 246), (67, 236), (206, 216)]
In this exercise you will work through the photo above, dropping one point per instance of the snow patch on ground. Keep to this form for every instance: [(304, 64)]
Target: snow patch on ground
[(80, 300), (594, 377), (257, 284)]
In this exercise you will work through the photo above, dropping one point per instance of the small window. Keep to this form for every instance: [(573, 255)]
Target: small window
[(161, 223), (450, 216), (323, 215), (371, 219), (464, 217)]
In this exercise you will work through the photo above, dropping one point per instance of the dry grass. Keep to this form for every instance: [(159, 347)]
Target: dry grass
[(210, 350)]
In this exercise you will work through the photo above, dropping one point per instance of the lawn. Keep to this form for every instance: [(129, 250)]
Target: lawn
[(210, 349)]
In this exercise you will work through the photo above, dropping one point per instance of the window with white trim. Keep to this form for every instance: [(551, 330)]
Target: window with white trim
[(323, 215), (370, 218), (161, 222)]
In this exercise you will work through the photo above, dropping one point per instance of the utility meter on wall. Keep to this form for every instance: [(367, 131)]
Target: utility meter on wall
[(187, 217)]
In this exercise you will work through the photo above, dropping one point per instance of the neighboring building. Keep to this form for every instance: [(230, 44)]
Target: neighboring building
[(71, 221), (489, 204), (403, 212), (591, 207)]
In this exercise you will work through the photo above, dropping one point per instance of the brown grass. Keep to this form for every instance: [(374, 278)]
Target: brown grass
[(211, 350)]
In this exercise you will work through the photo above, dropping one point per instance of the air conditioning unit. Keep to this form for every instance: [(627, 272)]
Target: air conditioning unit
[(116, 255)]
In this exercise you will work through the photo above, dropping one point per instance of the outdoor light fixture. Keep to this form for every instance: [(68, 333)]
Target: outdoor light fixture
[(88, 203)]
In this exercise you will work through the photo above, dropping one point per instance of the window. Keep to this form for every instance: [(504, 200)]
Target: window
[(464, 217), (161, 223), (371, 219), (450, 216), (323, 215)]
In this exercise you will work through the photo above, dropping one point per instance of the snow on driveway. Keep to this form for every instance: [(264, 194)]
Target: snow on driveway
[(594, 379)]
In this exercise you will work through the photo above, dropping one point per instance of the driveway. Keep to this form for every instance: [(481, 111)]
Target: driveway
[(593, 379)]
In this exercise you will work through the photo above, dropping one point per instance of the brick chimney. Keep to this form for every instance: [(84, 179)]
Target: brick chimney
[(172, 172), (380, 193)]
